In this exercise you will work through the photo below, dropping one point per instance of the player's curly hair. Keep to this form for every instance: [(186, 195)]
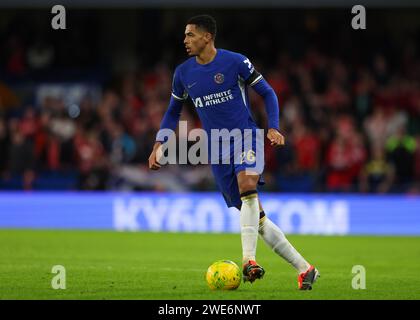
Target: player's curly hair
[(205, 22)]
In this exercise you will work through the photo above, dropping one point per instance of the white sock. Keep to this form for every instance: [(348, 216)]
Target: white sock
[(249, 226), (277, 241)]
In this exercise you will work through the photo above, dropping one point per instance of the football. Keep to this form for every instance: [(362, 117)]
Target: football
[(223, 275)]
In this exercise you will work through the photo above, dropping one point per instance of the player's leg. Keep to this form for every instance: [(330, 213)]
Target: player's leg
[(277, 241), (247, 185), (227, 182), (249, 219)]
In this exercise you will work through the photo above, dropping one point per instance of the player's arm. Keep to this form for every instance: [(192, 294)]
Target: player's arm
[(261, 86), (170, 120), (254, 79)]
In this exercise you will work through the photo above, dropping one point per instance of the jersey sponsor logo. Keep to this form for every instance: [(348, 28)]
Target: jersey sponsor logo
[(191, 85), (198, 103), (219, 78), (213, 99)]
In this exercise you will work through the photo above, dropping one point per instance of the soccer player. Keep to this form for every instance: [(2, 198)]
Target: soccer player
[(216, 81)]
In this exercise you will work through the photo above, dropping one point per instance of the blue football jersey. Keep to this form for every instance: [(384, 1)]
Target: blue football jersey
[(218, 89)]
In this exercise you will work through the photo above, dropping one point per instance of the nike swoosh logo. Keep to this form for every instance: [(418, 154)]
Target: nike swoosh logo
[(191, 85)]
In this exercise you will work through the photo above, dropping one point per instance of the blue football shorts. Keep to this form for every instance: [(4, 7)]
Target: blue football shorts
[(242, 155)]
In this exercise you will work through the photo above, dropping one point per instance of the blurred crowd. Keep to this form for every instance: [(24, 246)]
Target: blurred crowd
[(348, 127), (346, 130)]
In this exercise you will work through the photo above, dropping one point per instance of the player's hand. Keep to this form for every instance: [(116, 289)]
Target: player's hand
[(154, 156), (275, 137)]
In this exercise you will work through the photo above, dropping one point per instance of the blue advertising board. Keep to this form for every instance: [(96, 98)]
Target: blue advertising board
[(207, 212)]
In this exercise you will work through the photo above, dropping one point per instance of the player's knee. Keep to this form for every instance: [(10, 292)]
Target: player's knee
[(247, 185)]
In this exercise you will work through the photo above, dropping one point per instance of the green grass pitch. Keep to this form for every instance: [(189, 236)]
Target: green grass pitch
[(140, 265)]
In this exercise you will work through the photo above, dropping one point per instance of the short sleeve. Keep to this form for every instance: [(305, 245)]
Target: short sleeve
[(247, 71), (178, 90)]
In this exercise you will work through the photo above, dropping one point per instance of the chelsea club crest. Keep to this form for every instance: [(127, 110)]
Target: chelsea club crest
[(219, 78)]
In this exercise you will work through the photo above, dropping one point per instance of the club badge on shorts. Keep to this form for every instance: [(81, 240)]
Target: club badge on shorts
[(219, 78)]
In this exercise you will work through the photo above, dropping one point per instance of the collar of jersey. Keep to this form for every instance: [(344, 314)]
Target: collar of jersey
[(208, 64)]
